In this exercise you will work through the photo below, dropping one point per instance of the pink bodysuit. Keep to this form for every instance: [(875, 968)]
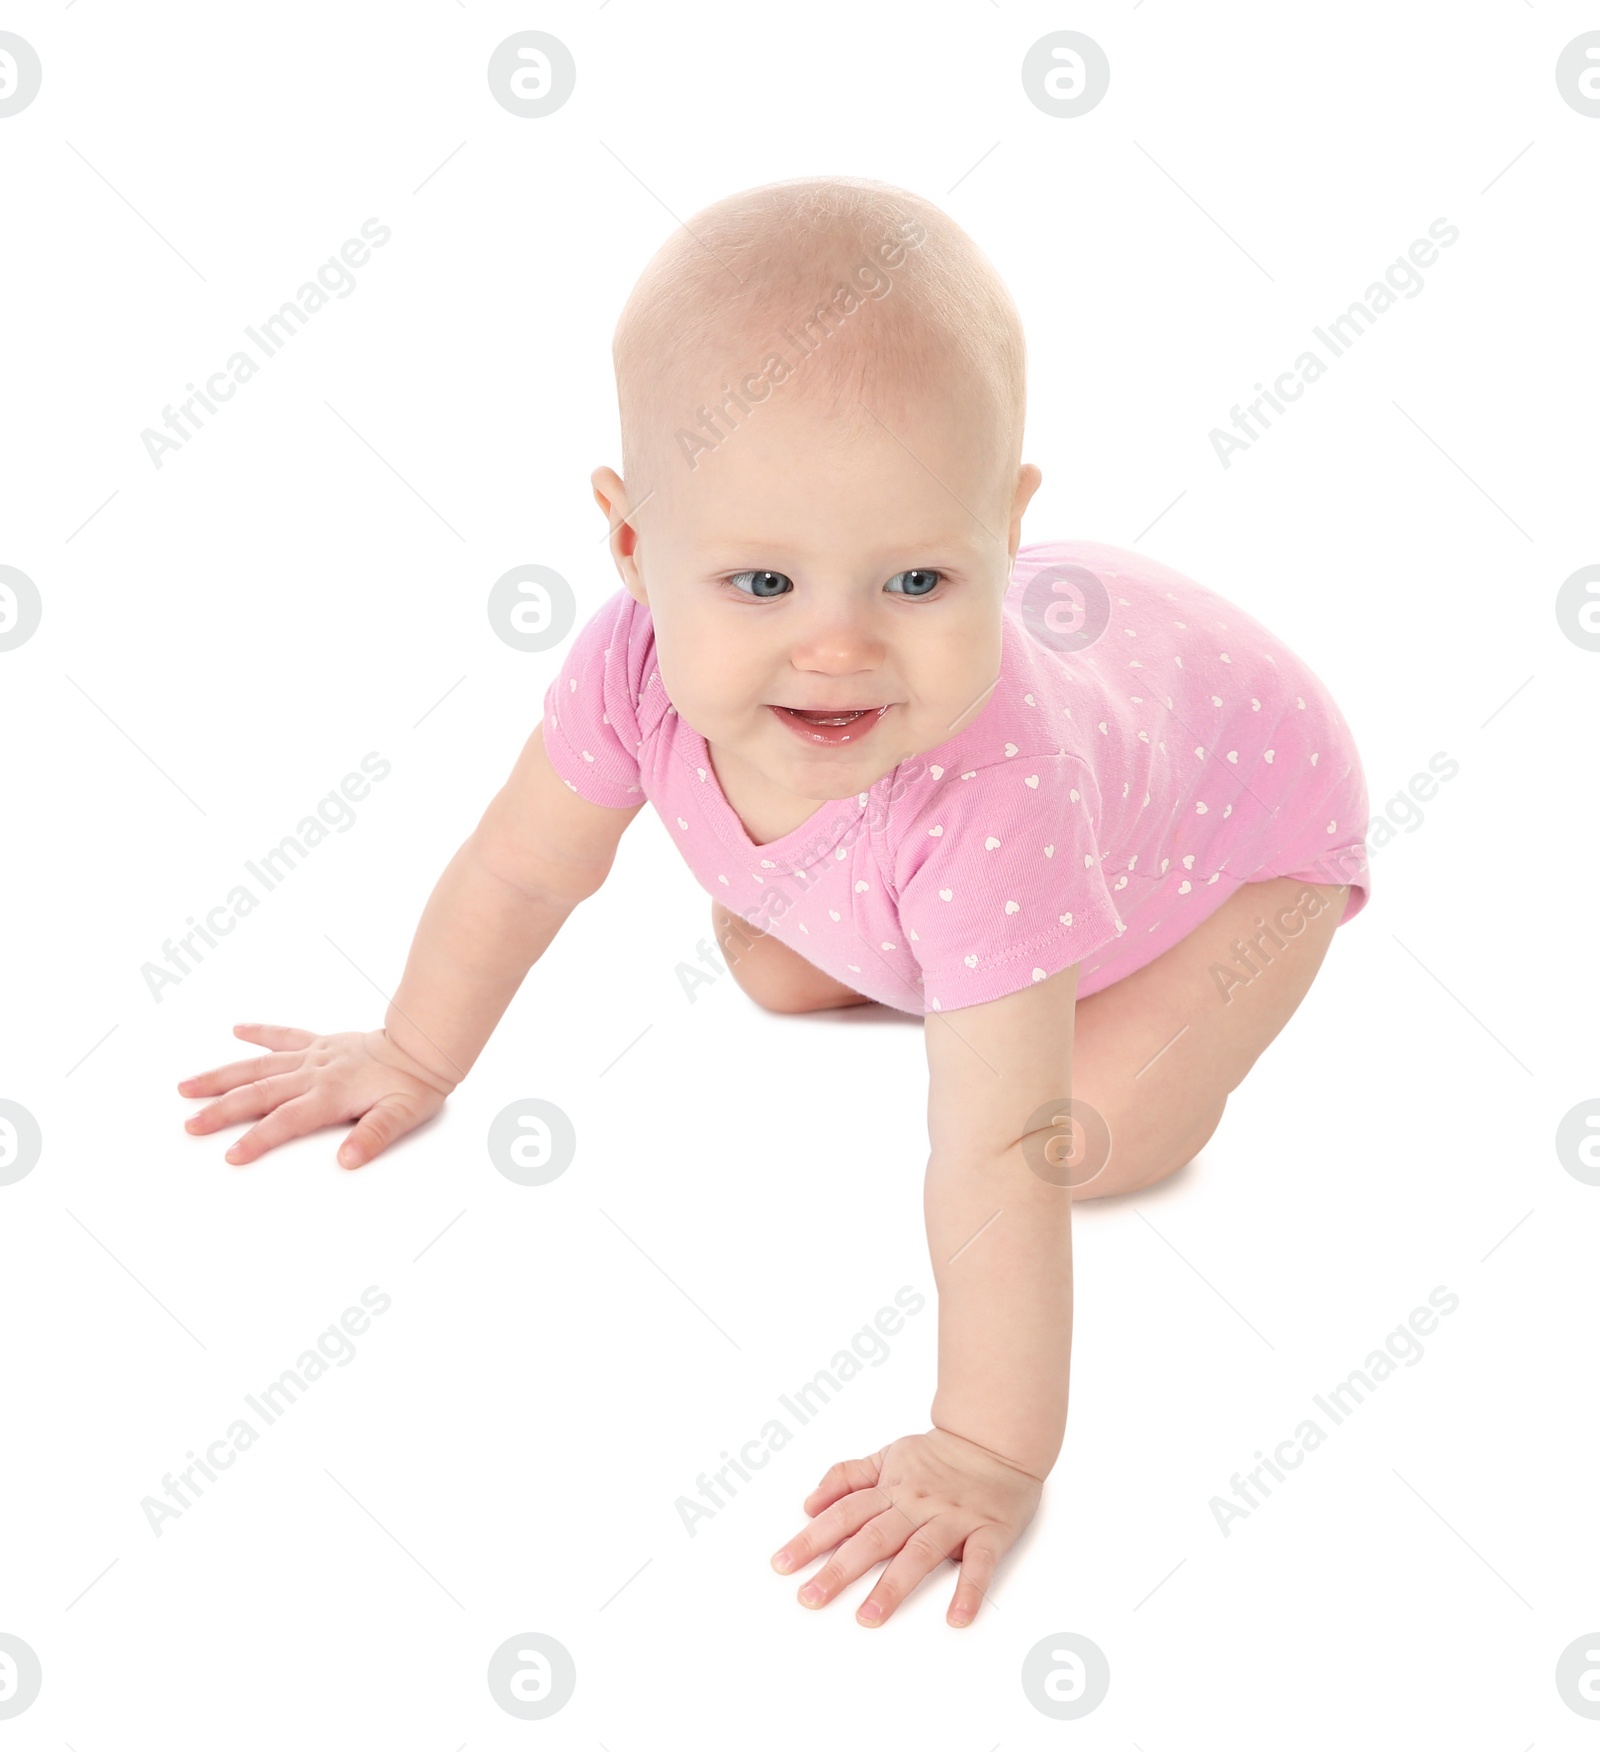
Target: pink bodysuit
[(1148, 749)]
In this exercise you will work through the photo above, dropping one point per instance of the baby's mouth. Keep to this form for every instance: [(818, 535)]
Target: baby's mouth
[(826, 717), (833, 719)]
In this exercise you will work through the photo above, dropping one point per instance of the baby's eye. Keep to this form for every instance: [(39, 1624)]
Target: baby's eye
[(923, 582), (766, 583)]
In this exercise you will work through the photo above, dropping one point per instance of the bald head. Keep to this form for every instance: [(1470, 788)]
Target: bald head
[(832, 291)]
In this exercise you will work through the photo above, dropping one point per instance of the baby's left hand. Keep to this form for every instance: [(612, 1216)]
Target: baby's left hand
[(926, 1497)]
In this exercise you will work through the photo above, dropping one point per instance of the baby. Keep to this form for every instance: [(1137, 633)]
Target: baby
[(1093, 823)]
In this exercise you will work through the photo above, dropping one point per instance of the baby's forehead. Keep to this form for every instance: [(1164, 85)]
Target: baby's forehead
[(749, 399)]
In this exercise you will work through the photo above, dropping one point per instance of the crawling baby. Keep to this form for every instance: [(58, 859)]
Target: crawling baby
[(1090, 821)]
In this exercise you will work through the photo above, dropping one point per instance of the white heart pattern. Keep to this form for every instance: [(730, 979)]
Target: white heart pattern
[(1011, 907), (990, 843), (944, 893), (1032, 781)]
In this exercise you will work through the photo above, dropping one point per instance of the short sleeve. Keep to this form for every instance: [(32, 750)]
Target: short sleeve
[(592, 731), (999, 878)]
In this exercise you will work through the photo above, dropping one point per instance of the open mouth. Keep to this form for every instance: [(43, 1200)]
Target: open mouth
[(830, 717), (831, 728)]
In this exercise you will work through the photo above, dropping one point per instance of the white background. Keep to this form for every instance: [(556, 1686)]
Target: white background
[(225, 637)]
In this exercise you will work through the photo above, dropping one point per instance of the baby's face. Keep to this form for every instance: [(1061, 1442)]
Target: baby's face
[(801, 566)]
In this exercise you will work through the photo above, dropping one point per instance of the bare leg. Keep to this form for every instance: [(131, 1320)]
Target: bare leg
[(772, 973), (1157, 1054)]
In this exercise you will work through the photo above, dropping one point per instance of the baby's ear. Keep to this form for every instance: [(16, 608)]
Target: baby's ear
[(608, 490), (1028, 478), (611, 495)]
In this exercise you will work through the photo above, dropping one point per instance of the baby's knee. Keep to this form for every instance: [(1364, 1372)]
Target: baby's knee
[(1150, 1154), (770, 973), (787, 984)]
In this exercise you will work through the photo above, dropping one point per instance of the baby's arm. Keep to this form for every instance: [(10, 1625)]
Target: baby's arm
[(539, 850), (999, 1219)]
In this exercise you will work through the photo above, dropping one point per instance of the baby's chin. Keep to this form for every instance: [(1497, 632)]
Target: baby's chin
[(842, 771), (826, 772)]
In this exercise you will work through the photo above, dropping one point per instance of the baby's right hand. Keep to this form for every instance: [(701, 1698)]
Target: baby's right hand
[(311, 1080)]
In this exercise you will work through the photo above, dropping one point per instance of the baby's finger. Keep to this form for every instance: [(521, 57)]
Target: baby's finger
[(983, 1551), (839, 1480), (249, 1102), (380, 1125), (270, 1034), (882, 1536), (240, 1071), (825, 1532), (291, 1120), (921, 1554)]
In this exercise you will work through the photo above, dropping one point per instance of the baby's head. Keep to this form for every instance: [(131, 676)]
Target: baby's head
[(822, 388)]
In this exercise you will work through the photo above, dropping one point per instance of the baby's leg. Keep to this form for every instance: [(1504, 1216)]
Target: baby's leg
[(1157, 1054), (771, 972)]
